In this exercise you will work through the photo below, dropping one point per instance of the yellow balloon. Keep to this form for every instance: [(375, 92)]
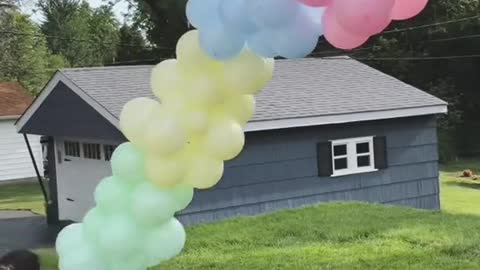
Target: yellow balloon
[(135, 116), (165, 172), (164, 135), (194, 121), (225, 139), (241, 108), (204, 172), (248, 73), (203, 90), (190, 55), (166, 79)]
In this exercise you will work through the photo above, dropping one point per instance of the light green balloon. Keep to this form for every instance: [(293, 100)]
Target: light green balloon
[(152, 205), (92, 222), (70, 237), (128, 163), (165, 242), (120, 236), (184, 195), (112, 195), (82, 257), (135, 262)]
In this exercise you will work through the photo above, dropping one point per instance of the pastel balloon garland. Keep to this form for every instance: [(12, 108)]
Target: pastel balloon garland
[(207, 98)]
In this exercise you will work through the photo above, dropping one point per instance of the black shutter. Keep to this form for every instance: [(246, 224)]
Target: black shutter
[(380, 152), (324, 159)]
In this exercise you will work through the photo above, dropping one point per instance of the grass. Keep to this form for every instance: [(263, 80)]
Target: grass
[(24, 196), (460, 195), (343, 236)]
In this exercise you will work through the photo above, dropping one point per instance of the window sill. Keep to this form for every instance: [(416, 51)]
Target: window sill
[(350, 172)]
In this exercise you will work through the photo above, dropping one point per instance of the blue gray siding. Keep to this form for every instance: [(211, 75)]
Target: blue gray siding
[(64, 114), (278, 169)]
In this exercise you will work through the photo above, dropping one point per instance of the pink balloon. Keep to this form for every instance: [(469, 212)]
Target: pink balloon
[(363, 17), (337, 36), (316, 3), (406, 9)]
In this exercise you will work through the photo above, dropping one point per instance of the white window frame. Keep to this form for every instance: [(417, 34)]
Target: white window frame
[(351, 156)]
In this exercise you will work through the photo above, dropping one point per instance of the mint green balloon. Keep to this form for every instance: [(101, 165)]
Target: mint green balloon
[(135, 262), (112, 195), (82, 257), (165, 242), (69, 238), (128, 163), (120, 236), (153, 206), (92, 222), (184, 195)]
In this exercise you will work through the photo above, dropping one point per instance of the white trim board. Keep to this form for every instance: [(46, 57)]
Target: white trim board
[(60, 77), (9, 117), (344, 118)]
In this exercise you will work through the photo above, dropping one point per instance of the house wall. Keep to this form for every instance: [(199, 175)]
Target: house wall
[(15, 161), (278, 169)]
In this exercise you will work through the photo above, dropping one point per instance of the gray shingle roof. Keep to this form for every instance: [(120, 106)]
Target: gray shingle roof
[(300, 88)]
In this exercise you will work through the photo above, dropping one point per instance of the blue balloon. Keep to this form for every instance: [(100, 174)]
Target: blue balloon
[(234, 15), (297, 40), (315, 14), (203, 13), (221, 44), (261, 44), (273, 14)]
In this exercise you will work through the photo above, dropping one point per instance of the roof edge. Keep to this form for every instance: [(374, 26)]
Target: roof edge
[(345, 118), (9, 117)]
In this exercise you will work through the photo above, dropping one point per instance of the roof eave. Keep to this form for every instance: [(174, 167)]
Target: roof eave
[(345, 118)]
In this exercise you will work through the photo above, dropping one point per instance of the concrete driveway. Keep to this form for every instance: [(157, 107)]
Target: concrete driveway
[(25, 230)]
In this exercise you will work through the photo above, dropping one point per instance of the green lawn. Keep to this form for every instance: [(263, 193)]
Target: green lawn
[(25, 196), (343, 236)]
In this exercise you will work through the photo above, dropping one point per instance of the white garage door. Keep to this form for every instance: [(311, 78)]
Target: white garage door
[(81, 165)]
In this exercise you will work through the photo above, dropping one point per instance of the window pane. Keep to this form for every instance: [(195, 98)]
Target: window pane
[(363, 147), (108, 150), (71, 149), (91, 151), (340, 163), (340, 150), (363, 161)]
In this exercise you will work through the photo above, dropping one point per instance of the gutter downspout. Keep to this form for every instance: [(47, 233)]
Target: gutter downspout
[(39, 177)]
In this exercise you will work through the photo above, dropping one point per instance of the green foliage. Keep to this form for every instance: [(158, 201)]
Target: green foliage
[(133, 44), (163, 21), (84, 36), (25, 58)]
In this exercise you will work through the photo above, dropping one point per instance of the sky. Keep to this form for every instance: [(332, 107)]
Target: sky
[(119, 8)]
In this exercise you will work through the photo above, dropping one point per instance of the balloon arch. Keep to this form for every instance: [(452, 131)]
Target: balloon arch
[(207, 96)]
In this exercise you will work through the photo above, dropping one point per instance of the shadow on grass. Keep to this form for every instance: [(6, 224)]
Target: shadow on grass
[(465, 184)]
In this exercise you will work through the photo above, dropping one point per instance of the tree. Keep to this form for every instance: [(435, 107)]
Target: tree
[(84, 36), (25, 58), (133, 45), (163, 21)]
